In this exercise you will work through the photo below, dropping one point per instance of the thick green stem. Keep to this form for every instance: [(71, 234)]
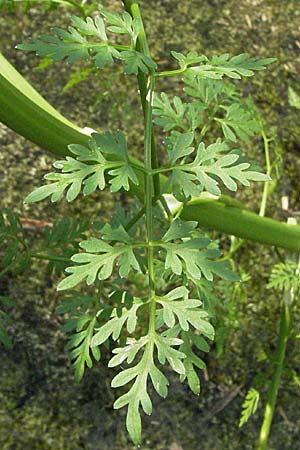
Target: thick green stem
[(25, 111), (235, 242)]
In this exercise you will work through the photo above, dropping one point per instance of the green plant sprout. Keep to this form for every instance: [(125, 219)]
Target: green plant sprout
[(168, 323)]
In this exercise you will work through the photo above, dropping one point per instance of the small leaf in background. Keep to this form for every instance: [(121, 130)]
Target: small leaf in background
[(294, 98), (5, 320), (285, 276), (249, 406), (15, 255)]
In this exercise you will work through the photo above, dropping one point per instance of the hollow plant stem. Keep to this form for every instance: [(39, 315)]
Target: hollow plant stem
[(26, 112), (237, 243)]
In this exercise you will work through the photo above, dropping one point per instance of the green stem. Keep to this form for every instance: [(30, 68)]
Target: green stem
[(264, 200), (135, 219), (166, 208), (149, 182), (284, 333), (132, 7), (104, 44), (152, 184), (49, 257), (237, 243), (170, 73), (26, 112)]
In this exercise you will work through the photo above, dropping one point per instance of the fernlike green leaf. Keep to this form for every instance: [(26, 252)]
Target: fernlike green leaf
[(285, 276), (205, 90), (79, 346), (114, 326), (117, 234), (186, 256), (14, 250), (112, 144), (233, 67), (4, 321), (249, 406), (176, 304), (209, 165), (98, 262), (166, 352), (122, 24), (294, 98), (90, 27), (4, 338), (137, 395), (121, 177), (127, 353), (73, 45), (75, 302), (190, 59), (135, 61), (191, 255), (88, 169), (169, 116), (178, 230), (191, 361), (179, 146), (184, 116), (238, 122)]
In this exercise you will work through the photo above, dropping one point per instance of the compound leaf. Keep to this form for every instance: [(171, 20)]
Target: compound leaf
[(176, 304), (98, 262), (238, 122), (179, 146), (169, 117), (190, 361), (233, 67), (209, 165), (87, 170), (114, 326)]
